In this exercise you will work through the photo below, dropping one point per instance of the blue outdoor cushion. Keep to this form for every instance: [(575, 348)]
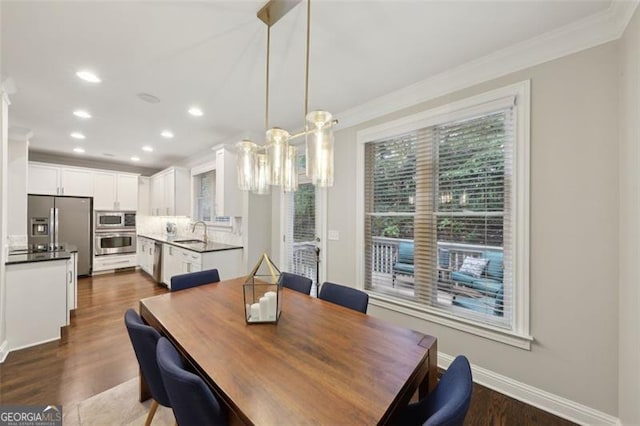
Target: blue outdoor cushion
[(403, 268), (462, 278), (495, 267), (486, 305), (486, 285), (405, 253)]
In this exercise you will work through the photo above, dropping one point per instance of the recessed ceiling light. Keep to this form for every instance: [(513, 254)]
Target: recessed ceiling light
[(147, 148), (195, 111), (166, 134), (135, 158), (88, 76), (78, 150), (78, 135), (81, 113)]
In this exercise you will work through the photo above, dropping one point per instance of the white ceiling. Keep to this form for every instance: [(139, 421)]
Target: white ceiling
[(213, 54)]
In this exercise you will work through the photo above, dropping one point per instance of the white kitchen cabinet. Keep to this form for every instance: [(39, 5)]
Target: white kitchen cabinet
[(111, 262), (177, 260), (146, 251), (77, 182), (115, 191), (170, 192), (228, 200), (127, 191), (36, 308), (43, 179), (144, 195)]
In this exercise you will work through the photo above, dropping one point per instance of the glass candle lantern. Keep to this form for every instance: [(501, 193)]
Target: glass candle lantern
[(263, 293)]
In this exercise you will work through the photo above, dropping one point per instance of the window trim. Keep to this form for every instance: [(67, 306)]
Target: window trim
[(519, 95)]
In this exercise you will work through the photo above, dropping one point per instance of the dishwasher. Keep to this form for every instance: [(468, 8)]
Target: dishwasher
[(157, 262)]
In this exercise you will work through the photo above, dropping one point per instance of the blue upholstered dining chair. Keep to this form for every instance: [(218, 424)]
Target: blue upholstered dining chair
[(346, 296), (448, 403), (192, 401), (296, 282), (144, 340), (193, 279)]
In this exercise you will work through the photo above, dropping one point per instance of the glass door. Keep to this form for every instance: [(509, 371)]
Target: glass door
[(303, 228)]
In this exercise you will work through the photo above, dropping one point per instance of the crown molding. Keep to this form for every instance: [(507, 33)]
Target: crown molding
[(588, 32)]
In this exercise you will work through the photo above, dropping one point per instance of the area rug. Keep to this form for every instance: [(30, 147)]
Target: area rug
[(116, 406)]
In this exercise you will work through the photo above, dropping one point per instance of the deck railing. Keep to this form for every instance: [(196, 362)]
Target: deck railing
[(385, 252)]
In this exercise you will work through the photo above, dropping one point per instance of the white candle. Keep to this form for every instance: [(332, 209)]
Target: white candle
[(264, 309), (271, 297), (255, 312)]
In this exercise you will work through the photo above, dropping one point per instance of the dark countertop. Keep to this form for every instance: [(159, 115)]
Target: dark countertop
[(197, 247), (28, 256)]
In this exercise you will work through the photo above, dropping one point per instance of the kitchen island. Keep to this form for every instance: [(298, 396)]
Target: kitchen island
[(40, 294), (164, 257)]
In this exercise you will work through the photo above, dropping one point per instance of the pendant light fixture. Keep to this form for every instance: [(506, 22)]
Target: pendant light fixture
[(275, 163)]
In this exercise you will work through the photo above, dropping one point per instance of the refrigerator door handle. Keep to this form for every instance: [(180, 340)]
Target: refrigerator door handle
[(52, 218), (55, 227)]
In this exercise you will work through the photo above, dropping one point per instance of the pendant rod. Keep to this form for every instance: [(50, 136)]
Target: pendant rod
[(306, 68), (305, 132), (266, 108)]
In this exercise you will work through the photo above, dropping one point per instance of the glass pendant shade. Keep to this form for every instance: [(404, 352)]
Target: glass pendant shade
[(246, 164), (261, 181), (320, 148), (290, 183), (277, 144)]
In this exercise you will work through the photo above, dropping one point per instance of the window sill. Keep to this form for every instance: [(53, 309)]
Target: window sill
[(414, 310)]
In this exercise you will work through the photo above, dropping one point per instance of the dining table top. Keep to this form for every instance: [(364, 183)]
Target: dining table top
[(321, 363)]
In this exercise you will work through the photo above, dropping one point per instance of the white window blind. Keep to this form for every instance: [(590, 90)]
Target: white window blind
[(437, 224)]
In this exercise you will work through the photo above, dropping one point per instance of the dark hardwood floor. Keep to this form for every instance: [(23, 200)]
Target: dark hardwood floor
[(97, 355)]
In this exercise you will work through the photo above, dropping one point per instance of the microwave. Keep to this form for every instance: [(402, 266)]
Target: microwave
[(111, 220)]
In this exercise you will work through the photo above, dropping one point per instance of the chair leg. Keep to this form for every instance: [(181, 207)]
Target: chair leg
[(152, 412)]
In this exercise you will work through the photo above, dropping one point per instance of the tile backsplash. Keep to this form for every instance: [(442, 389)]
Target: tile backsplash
[(221, 234)]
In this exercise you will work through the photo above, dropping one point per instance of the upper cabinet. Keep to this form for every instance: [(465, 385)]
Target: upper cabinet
[(47, 179), (110, 190), (170, 192), (115, 191)]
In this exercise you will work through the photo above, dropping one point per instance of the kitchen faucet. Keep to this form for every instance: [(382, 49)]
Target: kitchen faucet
[(193, 229)]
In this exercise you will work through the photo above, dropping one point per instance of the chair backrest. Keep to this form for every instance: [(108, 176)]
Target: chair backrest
[(405, 252), (449, 402), (296, 282), (346, 296), (144, 340), (193, 279), (192, 401)]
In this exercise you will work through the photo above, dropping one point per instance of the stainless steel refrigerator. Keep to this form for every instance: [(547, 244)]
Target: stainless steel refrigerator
[(55, 221)]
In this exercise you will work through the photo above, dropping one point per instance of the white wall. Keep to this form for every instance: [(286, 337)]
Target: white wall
[(18, 155), (4, 116), (629, 349), (574, 232)]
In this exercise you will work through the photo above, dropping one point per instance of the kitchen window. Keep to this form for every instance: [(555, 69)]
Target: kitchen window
[(443, 217)]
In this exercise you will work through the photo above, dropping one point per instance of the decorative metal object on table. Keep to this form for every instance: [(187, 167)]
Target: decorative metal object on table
[(263, 293)]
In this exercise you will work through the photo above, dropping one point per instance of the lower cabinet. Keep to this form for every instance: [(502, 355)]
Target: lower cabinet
[(113, 261), (146, 252), (176, 261)]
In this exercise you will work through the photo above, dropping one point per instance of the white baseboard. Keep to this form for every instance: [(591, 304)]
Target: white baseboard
[(3, 351), (539, 398)]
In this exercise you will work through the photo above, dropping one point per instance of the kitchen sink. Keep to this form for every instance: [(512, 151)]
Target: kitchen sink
[(188, 241)]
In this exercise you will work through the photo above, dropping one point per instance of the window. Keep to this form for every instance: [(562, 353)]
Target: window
[(204, 195), (444, 222)]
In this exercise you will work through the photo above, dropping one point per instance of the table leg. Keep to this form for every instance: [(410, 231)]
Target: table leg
[(431, 380)]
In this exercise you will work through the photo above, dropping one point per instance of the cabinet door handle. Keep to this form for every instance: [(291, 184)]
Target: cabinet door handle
[(70, 279), (167, 211), (62, 190)]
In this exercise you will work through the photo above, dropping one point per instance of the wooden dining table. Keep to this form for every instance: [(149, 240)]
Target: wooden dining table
[(320, 364)]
